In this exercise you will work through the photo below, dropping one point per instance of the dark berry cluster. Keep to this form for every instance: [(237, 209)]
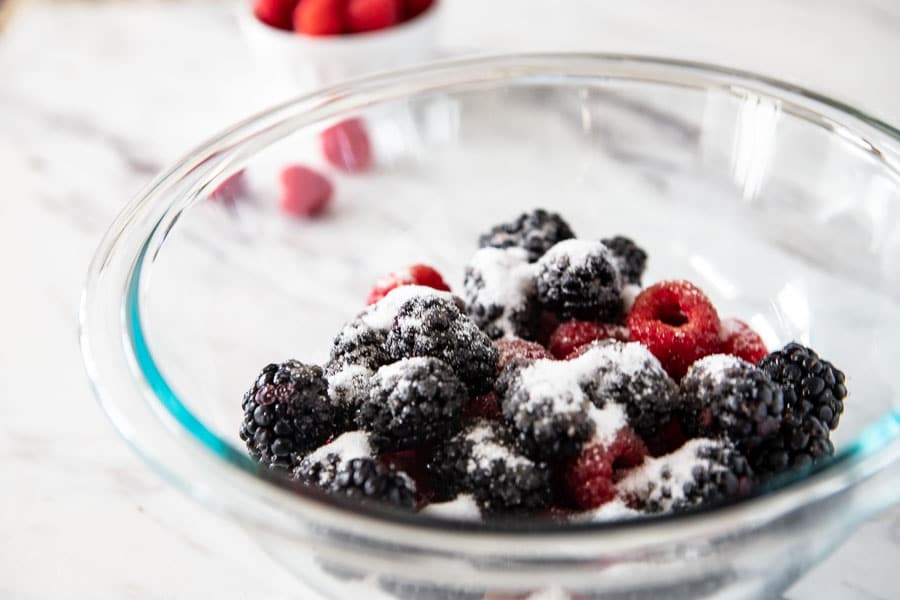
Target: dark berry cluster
[(558, 386)]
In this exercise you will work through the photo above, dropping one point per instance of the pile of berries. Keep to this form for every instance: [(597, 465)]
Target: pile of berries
[(337, 17), (556, 387)]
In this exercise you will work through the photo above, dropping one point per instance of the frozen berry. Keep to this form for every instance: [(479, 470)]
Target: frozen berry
[(412, 402), (738, 339), (677, 322), (287, 413), (434, 326), (231, 188), (369, 481), (569, 336), (413, 462), (276, 13), (501, 294), (509, 349), (703, 472), (320, 467), (347, 147), (412, 275), (814, 393), (669, 438), (632, 260), (587, 480), (536, 232), (414, 8), (578, 279), (358, 344), (724, 396), (370, 15), (319, 17), (485, 406), (304, 192)]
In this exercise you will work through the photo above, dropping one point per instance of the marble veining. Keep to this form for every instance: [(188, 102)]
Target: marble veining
[(96, 98)]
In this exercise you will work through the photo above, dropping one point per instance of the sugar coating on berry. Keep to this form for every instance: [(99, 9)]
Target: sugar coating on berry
[(462, 508), (434, 326), (701, 472), (579, 279), (412, 402), (614, 510), (501, 294), (723, 395), (349, 386), (535, 232), (320, 466), (381, 315), (739, 339)]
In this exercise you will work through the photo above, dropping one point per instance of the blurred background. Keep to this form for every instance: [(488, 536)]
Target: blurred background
[(97, 96)]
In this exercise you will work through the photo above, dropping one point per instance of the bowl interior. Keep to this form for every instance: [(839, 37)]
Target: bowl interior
[(787, 219)]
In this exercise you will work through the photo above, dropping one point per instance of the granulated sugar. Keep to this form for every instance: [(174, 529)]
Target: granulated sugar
[(381, 314), (349, 384), (463, 508), (576, 250), (607, 422), (506, 279), (611, 511), (347, 446), (715, 366), (486, 450)]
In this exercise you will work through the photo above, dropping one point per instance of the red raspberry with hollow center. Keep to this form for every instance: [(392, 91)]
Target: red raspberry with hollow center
[(371, 15), (509, 349), (415, 464), (319, 17), (275, 13), (739, 339), (572, 335), (304, 192), (347, 147), (413, 275), (677, 323), (486, 406), (588, 480)]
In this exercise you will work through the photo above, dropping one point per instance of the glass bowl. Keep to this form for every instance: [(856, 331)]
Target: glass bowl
[(783, 205)]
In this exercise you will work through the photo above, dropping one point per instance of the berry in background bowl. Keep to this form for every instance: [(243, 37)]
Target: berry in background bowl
[(191, 304), (318, 42)]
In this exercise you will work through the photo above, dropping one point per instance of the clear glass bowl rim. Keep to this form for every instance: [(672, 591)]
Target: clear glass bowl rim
[(242, 489)]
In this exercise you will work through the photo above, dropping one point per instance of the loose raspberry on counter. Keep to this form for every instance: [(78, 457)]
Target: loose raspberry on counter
[(304, 192), (319, 17), (371, 15), (739, 339), (347, 147), (569, 336), (276, 13), (588, 480), (677, 322), (231, 188), (413, 275)]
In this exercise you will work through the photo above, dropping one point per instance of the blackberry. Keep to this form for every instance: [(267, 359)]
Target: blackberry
[(319, 468), (724, 396), (629, 375), (545, 404), (287, 412), (412, 402), (814, 393), (483, 460), (434, 326), (501, 295), (535, 232), (349, 388), (700, 473), (358, 344), (632, 260), (579, 279), (369, 481)]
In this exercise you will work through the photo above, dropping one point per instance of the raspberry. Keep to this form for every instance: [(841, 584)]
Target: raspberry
[(414, 8), (434, 326), (412, 275), (501, 295), (483, 460), (701, 473), (536, 232), (485, 406), (415, 464), (726, 396), (370, 15), (346, 146), (275, 13), (677, 322), (631, 258), (287, 413), (319, 17), (669, 438), (738, 339), (304, 192), (412, 402), (231, 188), (814, 394), (569, 336), (578, 279), (509, 349), (587, 480)]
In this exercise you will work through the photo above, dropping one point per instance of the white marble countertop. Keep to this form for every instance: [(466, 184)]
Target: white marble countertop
[(96, 98)]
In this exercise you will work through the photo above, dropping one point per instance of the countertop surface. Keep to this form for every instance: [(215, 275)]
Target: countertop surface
[(95, 98)]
